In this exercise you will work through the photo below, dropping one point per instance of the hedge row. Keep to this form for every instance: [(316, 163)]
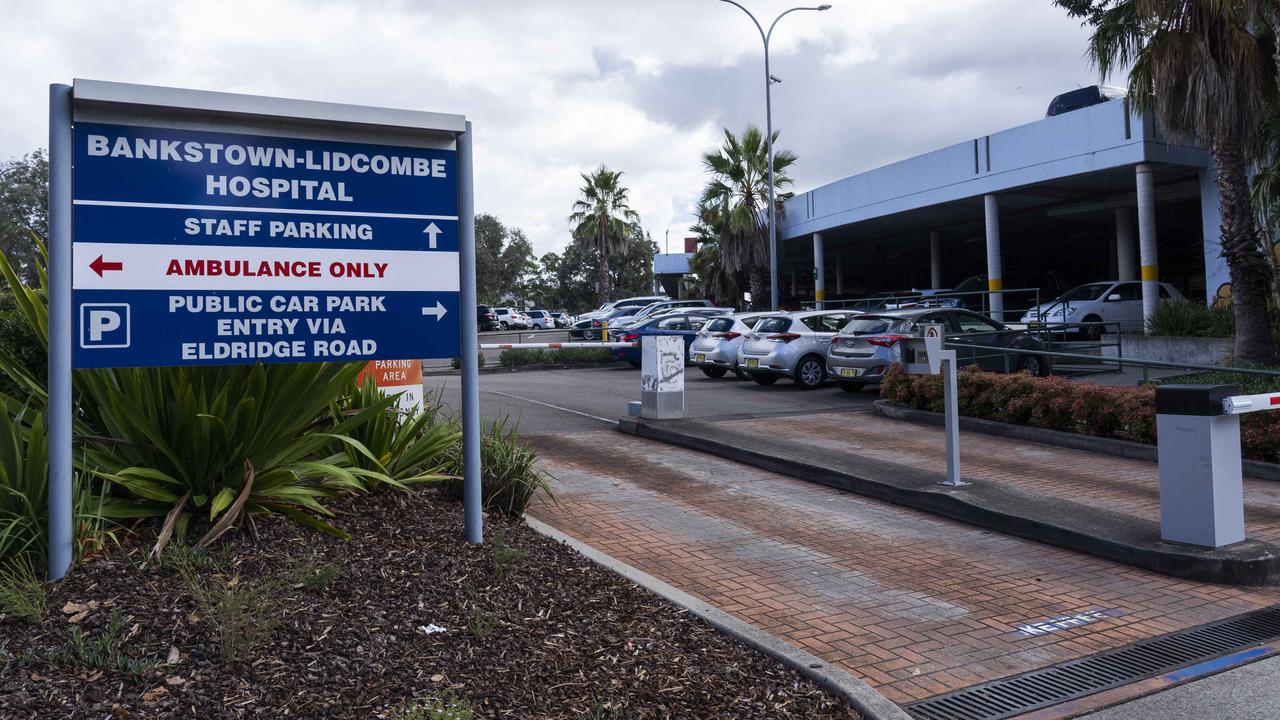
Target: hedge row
[(1123, 413)]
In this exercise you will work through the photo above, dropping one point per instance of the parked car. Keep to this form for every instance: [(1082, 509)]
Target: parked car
[(540, 319), (631, 302), (971, 293), (562, 320), (791, 345), (510, 319), (1082, 98), (655, 308), (1098, 302), (683, 326), (715, 349), (486, 318), (864, 349), (592, 328)]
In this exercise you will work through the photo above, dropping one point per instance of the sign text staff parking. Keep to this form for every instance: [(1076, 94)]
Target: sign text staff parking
[(196, 247)]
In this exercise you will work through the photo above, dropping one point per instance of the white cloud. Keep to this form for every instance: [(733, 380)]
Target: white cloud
[(557, 88)]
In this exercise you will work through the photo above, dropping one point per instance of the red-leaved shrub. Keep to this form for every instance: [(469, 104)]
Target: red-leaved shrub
[(1123, 413)]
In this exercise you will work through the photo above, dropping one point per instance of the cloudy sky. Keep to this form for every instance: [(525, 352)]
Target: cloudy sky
[(557, 87)]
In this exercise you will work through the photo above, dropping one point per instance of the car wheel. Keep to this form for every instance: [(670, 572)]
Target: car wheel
[(764, 379), (1033, 364), (852, 387), (714, 372), (740, 374), (1093, 333), (588, 335), (503, 325), (810, 372)]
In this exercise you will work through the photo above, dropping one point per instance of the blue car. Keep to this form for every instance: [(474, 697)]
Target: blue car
[(685, 326)]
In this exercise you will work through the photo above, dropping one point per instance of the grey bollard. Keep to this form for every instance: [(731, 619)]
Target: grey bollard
[(661, 377), (1201, 488)]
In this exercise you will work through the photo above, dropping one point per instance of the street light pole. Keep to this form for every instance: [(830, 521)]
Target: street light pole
[(768, 121)]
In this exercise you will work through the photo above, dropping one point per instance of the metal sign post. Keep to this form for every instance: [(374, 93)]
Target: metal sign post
[(213, 228), (924, 356)]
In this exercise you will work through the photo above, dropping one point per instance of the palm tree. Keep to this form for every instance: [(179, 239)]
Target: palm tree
[(1198, 68), (736, 200), (603, 222)]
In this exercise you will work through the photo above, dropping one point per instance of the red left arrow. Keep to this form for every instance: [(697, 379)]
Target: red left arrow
[(100, 265)]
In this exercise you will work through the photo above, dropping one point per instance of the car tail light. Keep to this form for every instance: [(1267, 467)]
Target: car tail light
[(595, 323), (886, 341), (784, 337), (630, 337), (727, 335)]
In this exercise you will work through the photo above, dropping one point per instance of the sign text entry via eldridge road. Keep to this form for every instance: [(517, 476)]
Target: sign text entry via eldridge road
[(194, 245)]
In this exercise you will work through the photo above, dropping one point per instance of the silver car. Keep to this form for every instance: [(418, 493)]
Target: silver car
[(865, 348), (715, 349), (793, 345)]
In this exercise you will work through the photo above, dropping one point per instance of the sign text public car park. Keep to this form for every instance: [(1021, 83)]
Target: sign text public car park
[(200, 247)]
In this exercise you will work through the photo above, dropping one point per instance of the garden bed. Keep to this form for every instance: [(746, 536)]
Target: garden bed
[(530, 629)]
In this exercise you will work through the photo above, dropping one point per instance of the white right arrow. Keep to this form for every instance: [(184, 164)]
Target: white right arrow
[(439, 311), (433, 231)]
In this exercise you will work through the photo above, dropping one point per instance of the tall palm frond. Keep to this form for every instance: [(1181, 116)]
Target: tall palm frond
[(603, 221)]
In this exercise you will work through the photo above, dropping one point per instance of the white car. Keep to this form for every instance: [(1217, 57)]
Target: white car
[(1099, 302), (509, 318), (715, 349), (792, 345), (540, 319)]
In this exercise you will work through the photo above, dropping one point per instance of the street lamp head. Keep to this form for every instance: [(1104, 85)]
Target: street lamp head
[(775, 79), (824, 7)]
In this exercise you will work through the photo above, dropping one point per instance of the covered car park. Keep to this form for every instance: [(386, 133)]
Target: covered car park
[(1093, 194)]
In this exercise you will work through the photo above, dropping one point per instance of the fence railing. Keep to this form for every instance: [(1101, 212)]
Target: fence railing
[(1017, 301)]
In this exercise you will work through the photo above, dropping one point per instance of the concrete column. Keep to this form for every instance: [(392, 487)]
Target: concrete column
[(1150, 272), (935, 260), (840, 273), (1217, 276), (819, 273), (795, 282), (1125, 251), (995, 273)]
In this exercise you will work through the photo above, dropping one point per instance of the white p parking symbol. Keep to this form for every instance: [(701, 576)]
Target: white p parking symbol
[(104, 325)]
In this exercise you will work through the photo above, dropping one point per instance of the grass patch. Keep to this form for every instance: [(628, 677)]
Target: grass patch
[(312, 574), (189, 559), (504, 554), (21, 590), (241, 612), (439, 706), (102, 652)]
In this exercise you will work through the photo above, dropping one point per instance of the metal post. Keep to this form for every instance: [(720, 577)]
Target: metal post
[(995, 273), (935, 260), (819, 274), (951, 420), (1125, 254), (773, 208), (58, 413), (1147, 241), (472, 501)]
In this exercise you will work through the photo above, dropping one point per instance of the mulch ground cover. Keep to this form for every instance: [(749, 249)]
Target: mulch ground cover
[(286, 622)]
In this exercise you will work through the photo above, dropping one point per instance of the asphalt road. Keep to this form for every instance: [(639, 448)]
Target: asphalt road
[(558, 401), (1245, 693)]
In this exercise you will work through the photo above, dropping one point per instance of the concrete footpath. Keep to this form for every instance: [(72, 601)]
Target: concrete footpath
[(911, 603)]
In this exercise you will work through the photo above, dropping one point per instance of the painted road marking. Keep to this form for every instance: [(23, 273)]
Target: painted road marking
[(554, 407)]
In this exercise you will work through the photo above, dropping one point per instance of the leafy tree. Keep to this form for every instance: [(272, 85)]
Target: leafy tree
[(604, 222), (1200, 69), (711, 278), (24, 209), (736, 202), (504, 260), (633, 273)]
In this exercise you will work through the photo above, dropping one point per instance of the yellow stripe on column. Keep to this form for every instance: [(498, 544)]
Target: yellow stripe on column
[(995, 285), (819, 295), (1150, 272)]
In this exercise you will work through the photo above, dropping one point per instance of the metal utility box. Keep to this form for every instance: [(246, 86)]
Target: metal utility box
[(1201, 488)]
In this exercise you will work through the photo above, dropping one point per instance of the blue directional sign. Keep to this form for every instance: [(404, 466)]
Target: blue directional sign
[(198, 247)]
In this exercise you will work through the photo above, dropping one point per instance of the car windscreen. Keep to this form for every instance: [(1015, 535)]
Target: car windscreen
[(720, 324), (972, 284), (1092, 291), (871, 325), (773, 325)]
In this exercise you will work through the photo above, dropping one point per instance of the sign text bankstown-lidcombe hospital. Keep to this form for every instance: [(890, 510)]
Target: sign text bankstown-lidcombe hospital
[(198, 247)]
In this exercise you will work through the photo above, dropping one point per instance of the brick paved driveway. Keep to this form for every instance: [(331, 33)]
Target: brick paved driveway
[(913, 604)]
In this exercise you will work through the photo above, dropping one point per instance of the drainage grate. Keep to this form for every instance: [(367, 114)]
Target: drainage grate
[(1037, 689)]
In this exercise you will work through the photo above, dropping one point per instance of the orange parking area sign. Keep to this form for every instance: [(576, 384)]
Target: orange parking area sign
[(403, 377)]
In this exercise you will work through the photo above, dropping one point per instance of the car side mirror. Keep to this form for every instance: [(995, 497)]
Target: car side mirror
[(1113, 297)]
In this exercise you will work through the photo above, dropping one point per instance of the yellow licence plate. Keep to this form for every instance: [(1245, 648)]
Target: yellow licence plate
[(699, 358), (752, 362), (849, 372)]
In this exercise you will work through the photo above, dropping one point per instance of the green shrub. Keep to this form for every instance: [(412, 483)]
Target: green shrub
[(21, 590), (391, 443), (504, 554), (22, 344), (242, 613), (1123, 413), (103, 652), (1184, 318), (519, 357), (457, 362), (1248, 383), (312, 574), (509, 478), (581, 356)]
